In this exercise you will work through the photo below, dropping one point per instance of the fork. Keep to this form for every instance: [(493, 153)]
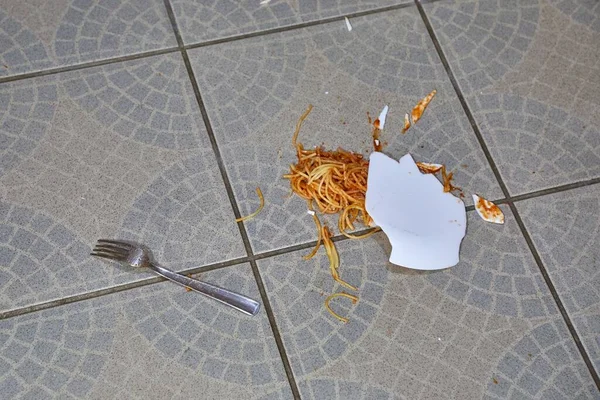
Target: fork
[(138, 256)]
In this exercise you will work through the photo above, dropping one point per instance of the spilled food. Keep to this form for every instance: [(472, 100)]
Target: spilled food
[(255, 213), (341, 294), (429, 168), (336, 183), (423, 220)]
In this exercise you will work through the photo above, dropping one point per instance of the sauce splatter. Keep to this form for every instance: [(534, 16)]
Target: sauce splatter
[(376, 132), (428, 168)]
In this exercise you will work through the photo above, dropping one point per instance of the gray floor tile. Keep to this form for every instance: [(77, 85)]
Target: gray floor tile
[(154, 342), (36, 35), (212, 19), (566, 231), (113, 151), (487, 328), (530, 72), (256, 89), (122, 151)]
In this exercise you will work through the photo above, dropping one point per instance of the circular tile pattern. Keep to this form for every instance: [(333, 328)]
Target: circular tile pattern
[(185, 216), (329, 388), (249, 82), (392, 53), (21, 49), (494, 274), (537, 146), (55, 353), (92, 30), (485, 38), (566, 233), (418, 341), (26, 111), (584, 12), (545, 364), (297, 290), (44, 259), (211, 19), (206, 337), (149, 101)]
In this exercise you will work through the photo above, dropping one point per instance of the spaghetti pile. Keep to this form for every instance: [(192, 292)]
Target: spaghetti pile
[(336, 182)]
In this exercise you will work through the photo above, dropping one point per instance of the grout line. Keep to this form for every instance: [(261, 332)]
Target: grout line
[(300, 25), (287, 366), (173, 22), (230, 193), (556, 189), (114, 289), (154, 280), (212, 267), (77, 298), (462, 100), (285, 250), (304, 246), (107, 61), (86, 65), (543, 192), (157, 279), (509, 201), (251, 258), (555, 295)]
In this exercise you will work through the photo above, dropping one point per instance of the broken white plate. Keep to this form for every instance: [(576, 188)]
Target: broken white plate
[(348, 24), (382, 117), (424, 225)]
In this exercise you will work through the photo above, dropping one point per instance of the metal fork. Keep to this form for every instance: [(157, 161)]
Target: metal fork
[(138, 256)]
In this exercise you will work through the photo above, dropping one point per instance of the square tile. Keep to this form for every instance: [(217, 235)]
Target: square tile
[(155, 341), (427, 335), (213, 19), (565, 230), (530, 73), (118, 151), (37, 35), (256, 89)]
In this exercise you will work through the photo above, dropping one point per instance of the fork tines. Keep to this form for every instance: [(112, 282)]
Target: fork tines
[(111, 249)]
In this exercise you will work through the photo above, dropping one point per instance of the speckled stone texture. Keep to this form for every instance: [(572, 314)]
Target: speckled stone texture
[(107, 131)]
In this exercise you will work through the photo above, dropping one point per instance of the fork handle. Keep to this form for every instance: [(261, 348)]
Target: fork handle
[(234, 300)]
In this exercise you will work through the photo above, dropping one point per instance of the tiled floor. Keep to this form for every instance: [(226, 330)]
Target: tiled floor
[(155, 122)]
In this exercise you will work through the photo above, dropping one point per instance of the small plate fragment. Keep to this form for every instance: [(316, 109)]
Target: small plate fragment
[(406, 123), (424, 225), (487, 210), (380, 122), (419, 109), (348, 24)]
